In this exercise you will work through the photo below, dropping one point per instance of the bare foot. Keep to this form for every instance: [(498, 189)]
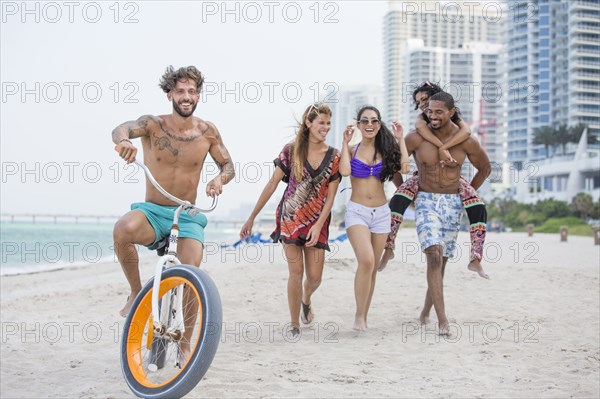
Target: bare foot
[(475, 266), (360, 324), (444, 329), (123, 312), (424, 319), (388, 255)]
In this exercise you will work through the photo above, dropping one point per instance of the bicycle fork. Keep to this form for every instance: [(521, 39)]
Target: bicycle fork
[(170, 308)]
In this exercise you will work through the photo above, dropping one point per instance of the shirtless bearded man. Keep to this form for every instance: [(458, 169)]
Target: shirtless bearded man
[(438, 204), (175, 148)]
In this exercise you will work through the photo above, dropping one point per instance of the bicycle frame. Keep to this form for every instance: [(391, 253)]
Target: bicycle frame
[(161, 314)]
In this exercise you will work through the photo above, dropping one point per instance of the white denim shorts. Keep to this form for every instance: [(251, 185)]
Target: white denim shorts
[(378, 220)]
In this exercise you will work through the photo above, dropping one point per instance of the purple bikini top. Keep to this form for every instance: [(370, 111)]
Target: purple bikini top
[(363, 170)]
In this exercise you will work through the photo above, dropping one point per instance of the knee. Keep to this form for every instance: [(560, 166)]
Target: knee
[(434, 255), (367, 262), (296, 274), (190, 251), (193, 259), (313, 282), (123, 231)]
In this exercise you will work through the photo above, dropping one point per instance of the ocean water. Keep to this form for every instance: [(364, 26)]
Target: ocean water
[(32, 247)]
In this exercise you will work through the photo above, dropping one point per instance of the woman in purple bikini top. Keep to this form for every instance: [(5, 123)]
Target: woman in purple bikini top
[(367, 218), (363, 170)]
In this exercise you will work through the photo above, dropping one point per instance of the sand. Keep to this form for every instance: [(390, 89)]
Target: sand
[(530, 331)]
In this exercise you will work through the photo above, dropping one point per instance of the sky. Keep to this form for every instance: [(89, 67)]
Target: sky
[(73, 71)]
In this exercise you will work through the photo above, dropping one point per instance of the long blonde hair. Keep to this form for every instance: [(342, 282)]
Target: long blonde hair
[(300, 148)]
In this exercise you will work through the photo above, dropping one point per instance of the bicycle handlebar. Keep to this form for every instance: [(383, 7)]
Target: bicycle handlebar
[(191, 208)]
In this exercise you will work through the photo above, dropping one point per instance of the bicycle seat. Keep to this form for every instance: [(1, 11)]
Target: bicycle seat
[(160, 246)]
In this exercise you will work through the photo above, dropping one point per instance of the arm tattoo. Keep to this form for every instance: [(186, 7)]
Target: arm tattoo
[(131, 130), (227, 170), (217, 151)]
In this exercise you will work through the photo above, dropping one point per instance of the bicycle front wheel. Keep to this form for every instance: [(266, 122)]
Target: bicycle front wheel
[(170, 367)]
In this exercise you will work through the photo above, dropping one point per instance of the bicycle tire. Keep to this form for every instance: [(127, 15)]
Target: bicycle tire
[(204, 341)]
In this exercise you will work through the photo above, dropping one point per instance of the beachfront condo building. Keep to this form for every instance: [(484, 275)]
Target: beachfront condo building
[(474, 75), (553, 72), (460, 46), (439, 24), (561, 177)]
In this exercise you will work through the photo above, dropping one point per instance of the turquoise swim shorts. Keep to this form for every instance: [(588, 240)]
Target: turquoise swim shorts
[(161, 219)]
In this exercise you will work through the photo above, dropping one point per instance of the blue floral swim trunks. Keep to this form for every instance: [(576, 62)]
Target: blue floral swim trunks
[(438, 220)]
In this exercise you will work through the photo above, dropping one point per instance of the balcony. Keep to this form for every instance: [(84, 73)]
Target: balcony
[(580, 99), (585, 28), (586, 52), (577, 62), (585, 87), (586, 112), (580, 39), (584, 77), (586, 4), (583, 16)]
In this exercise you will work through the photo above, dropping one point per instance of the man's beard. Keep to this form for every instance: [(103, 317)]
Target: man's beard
[(181, 112)]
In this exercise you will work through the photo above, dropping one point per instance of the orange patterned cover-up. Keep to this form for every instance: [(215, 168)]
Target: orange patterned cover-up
[(303, 201)]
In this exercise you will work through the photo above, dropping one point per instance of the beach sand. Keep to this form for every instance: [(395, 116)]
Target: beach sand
[(530, 331)]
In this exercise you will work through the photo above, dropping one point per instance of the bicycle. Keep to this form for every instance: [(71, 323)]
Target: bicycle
[(179, 307)]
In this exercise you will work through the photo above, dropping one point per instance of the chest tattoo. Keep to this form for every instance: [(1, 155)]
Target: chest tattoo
[(178, 138), (164, 143)]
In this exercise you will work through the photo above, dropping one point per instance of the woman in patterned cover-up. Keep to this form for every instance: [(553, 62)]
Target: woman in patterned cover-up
[(310, 168)]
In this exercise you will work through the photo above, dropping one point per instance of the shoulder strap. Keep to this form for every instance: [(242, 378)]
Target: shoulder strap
[(355, 149)]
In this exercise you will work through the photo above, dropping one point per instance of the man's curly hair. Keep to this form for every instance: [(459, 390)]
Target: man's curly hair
[(172, 76)]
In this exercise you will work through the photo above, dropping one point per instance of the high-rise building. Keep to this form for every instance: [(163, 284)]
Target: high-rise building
[(441, 24), (553, 71), (473, 74), (576, 88), (459, 45)]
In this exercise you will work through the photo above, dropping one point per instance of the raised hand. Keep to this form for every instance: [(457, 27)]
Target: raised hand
[(398, 130), (348, 133)]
